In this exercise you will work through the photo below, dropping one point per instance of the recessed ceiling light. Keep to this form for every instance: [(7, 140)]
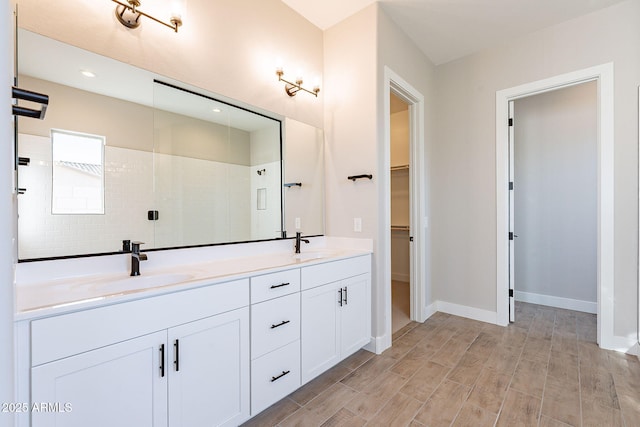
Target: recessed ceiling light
[(216, 110), (88, 73)]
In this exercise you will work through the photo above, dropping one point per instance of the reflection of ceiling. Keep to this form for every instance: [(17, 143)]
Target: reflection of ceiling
[(48, 59), (449, 29)]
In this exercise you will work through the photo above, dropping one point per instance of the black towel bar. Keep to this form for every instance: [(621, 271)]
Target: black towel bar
[(354, 177), (28, 95)]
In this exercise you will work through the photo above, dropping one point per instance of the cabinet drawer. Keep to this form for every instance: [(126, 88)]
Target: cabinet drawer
[(274, 375), (274, 323), (269, 286), (320, 274)]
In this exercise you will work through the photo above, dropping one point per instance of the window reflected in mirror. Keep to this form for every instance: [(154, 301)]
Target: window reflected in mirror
[(78, 173)]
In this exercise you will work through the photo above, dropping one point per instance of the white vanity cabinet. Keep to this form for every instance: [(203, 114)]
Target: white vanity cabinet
[(147, 362), (209, 371), (114, 385), (211, 355), (275, 337), (336, 312)]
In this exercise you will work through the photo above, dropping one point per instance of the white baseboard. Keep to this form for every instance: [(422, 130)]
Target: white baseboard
[(635, 350), (430, 310), (468, 312), (378, 344), (623, 344), (628, 344), (558, 302)]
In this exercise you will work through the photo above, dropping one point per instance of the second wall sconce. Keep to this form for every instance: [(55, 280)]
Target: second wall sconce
[(293, 88), (129, 15)]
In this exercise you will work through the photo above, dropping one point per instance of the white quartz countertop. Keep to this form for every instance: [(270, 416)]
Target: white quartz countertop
[(72, 293)]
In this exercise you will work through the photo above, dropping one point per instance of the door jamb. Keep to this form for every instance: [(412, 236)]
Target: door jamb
[(605, 276)]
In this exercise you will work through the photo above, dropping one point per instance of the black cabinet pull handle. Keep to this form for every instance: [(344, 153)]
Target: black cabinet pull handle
[(284, 322), (176, 346), (340, 299), (162, 360), (279, 376), (346, 298), (280, 285)]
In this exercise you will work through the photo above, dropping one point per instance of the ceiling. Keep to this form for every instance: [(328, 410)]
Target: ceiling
[(450, 29)]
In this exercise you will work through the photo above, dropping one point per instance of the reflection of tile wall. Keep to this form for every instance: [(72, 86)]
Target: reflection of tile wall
[(207, 199), (128, 176), (188, 194), (265, 224)]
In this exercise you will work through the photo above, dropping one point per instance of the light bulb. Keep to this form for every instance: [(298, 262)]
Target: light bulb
[(178, 8)]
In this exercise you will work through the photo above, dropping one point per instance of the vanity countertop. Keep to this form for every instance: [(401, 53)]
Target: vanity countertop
[(45, 298)]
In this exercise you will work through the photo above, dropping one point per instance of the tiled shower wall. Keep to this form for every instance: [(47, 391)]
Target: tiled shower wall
[(187, 193)]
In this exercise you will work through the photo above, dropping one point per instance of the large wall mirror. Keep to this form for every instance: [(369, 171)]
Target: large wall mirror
[(126, 154)]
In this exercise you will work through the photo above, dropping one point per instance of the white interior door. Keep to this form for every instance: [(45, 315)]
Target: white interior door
[(512, 236)]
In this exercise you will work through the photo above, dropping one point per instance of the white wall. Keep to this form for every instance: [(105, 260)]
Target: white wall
[(354, 131), (556, 196), (463, 216), (397, 52), (7, 216), (351, 136), (231, 50)]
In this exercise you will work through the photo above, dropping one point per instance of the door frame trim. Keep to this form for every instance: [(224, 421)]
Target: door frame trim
[(604, 74), (420, 284)]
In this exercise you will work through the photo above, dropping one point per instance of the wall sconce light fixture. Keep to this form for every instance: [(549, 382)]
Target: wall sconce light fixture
[(129, 15), (293, 88)]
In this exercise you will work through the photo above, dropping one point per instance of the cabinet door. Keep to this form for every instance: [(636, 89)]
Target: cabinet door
[(209, 371), (355, 314), (320, 341), (117, 385)]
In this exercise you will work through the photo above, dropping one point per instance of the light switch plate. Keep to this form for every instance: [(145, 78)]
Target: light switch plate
[(297, 223), (357, 225)]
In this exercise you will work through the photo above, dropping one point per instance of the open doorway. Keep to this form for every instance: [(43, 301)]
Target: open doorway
[(553, 198), (603, 75), (418, 235), (400, 217)]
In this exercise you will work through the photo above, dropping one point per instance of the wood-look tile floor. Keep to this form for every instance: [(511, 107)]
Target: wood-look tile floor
[(544, 370)]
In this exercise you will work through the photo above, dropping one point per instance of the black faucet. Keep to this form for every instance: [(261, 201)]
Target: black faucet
[(298, 240), (136, 257)]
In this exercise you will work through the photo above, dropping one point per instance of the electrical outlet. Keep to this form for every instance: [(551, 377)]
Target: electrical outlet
[(297, 223), (357, 225)]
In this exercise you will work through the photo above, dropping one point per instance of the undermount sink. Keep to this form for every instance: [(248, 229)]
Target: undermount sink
[(140, 282), (311, 255)]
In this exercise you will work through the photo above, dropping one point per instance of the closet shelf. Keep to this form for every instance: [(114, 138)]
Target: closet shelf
[(399, 168), (400, 227)]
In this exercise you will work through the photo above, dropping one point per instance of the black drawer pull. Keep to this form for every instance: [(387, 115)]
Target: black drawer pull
[(279, 376), (346, 298), (284, 322), (280, 285), (340, 300)]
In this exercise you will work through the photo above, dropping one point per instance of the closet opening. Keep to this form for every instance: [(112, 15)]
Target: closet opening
[(400, 213), (410, 226)]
